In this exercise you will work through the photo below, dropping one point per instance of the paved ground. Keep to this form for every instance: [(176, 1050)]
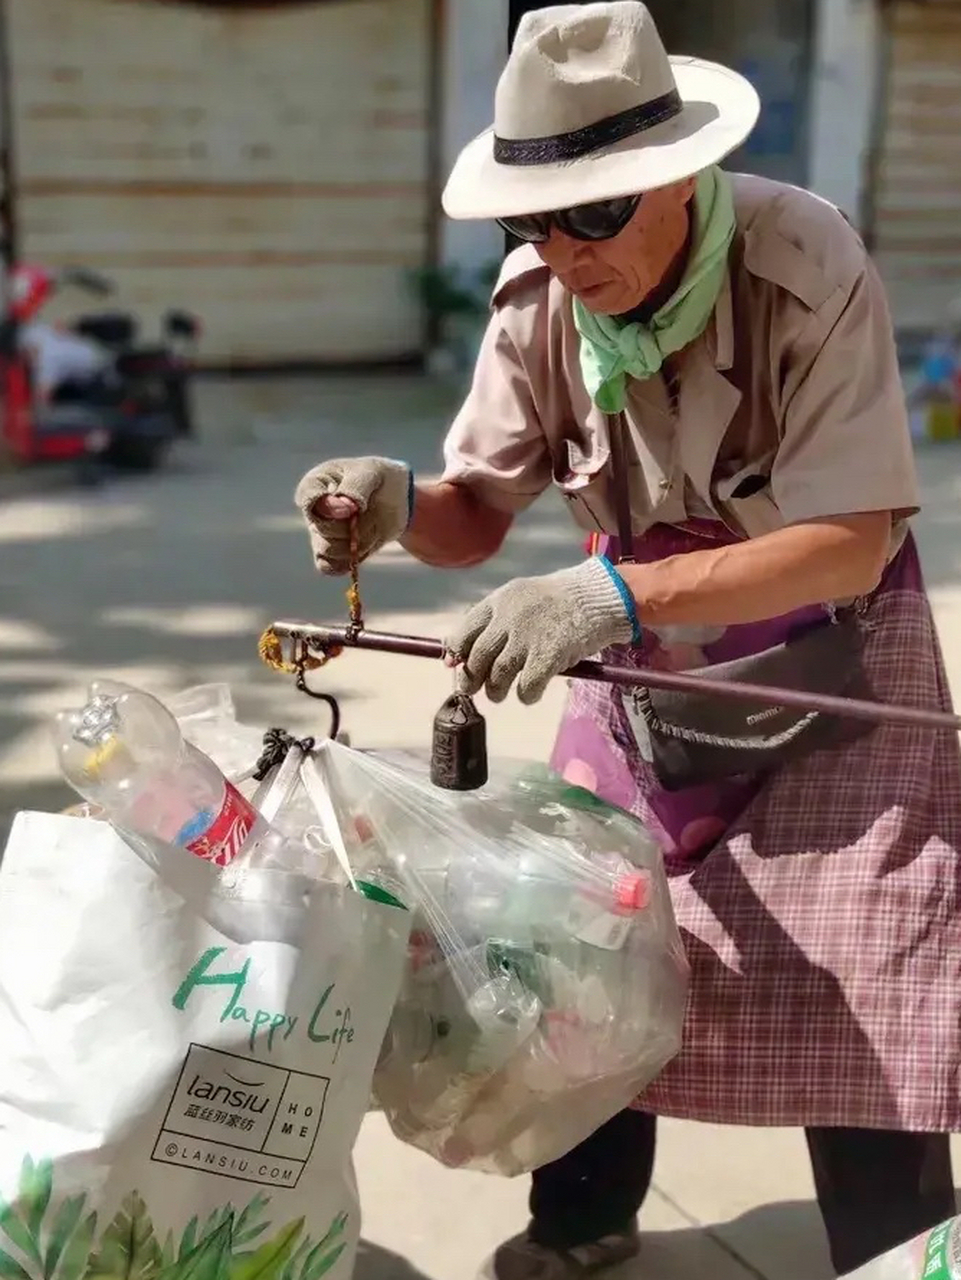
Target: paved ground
[(168, 581)]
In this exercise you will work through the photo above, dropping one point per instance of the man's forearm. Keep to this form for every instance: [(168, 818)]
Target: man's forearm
[(766, 577), (452, 529)]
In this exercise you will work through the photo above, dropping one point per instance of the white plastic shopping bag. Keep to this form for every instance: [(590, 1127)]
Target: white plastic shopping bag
[(184, 1063)]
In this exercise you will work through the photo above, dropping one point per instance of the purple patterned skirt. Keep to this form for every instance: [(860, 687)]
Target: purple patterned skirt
[(821, 905)]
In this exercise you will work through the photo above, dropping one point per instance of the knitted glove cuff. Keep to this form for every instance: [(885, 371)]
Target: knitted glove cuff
[(602, 597)]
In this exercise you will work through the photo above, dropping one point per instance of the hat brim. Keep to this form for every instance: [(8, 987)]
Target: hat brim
[(720, 109)]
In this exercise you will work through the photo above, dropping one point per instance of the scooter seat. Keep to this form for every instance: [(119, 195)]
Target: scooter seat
[(113, 329), (67, 420)]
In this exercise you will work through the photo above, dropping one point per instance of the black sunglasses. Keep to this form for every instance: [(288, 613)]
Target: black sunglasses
[(602, 220)]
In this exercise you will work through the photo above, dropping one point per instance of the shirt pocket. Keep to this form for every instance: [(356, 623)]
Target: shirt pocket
[(580, 473), (746, 500)]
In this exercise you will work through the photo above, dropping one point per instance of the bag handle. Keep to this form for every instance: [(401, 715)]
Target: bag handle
[(319, 796), (620, 488)]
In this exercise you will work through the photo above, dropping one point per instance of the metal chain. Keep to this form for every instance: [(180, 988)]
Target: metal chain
[(642, 702), (355, 605)]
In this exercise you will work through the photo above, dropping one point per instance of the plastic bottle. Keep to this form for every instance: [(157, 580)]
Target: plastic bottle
[(533, 899), (505, 1016), (124, 751), (935, 1255)]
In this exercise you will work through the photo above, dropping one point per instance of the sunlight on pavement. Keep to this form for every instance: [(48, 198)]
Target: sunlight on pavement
[(199, 620), (39, 521), (17, 634)]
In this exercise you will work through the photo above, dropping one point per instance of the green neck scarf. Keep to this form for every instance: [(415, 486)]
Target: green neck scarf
[(612, 351)]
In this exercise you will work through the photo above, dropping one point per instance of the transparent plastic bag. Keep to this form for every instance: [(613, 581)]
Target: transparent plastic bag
[(546, 981)]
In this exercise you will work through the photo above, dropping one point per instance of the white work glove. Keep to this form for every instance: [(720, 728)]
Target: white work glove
[(532, 629), (378, 491)]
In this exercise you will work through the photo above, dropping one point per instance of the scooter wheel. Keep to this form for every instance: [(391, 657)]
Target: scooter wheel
[(128, 453)]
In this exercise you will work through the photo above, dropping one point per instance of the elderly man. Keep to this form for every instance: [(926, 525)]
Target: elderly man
[(703, 365)]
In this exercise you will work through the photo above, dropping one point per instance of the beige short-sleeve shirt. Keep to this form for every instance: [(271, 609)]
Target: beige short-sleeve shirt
[(790, 405)]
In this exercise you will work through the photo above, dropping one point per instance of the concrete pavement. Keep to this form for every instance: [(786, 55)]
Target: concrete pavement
[(167, 581)]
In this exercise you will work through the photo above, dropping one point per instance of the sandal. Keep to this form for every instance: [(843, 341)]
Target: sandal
[(520, 1259)]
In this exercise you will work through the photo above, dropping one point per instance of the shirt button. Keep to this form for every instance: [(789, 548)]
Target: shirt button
[(664, 485)]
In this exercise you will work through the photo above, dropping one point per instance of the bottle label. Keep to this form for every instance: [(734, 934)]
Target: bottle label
[(942, 1254), (598, 928), (224, 837)]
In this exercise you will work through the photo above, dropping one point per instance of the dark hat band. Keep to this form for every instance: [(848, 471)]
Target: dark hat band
[(593, 137)]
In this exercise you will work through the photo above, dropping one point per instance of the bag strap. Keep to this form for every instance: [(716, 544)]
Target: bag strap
[(750, 742), (620, 488)]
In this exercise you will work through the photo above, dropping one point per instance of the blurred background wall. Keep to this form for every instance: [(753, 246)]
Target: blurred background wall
[(277, 166)]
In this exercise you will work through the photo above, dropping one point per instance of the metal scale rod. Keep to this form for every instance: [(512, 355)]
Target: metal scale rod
[(324, 639)]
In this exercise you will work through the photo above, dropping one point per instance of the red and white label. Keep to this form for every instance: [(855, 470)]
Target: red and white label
[(227, 834)]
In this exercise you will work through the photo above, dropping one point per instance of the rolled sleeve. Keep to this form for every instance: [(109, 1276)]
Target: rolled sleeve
[(496, 446), (846, 445)]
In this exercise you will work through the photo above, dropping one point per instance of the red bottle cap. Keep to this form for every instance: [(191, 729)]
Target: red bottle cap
[(633, 892)]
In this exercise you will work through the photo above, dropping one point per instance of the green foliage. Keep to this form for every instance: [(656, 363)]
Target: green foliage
[(41, 1239), (447, 292)]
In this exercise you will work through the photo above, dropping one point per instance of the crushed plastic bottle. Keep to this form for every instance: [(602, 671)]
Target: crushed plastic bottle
[(124, 751)]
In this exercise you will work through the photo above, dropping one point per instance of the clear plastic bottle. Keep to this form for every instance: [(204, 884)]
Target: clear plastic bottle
[(533, 900), (124, 751), (505, 1016)]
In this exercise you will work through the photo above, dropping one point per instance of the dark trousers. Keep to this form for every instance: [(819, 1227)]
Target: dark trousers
[(875, 1189)]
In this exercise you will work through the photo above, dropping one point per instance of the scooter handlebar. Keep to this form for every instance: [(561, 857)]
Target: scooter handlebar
[(85, 278)]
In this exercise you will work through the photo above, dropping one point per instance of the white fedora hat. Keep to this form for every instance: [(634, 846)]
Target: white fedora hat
[(590, 107)]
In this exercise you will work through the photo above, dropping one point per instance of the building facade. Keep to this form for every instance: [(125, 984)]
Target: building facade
[(266, 167), (276, 165), (913, 175)]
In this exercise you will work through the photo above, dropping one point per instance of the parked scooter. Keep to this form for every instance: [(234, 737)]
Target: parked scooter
[(92, 391)]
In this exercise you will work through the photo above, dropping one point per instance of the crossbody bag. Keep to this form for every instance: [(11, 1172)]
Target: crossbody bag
[(691, 738)]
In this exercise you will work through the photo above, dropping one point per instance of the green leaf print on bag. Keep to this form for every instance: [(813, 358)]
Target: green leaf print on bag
[(36, 1184), (209, 1260), (10, 1269), (64, 1225), (269, 1259), (128, 1247), (20, 1222), (41, 1239), (247, 1227), (78, 1250), (40, 1244), (321, 1258)]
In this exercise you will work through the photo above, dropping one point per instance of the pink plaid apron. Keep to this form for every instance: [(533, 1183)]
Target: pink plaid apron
[(819, 905)]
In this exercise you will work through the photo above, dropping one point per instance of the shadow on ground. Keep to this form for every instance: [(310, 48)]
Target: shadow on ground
[(782, 1241), (374, 1263), (778, 1242)]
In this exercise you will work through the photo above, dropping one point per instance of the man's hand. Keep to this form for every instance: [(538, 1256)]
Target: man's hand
[(531, 629), (378, 491)]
